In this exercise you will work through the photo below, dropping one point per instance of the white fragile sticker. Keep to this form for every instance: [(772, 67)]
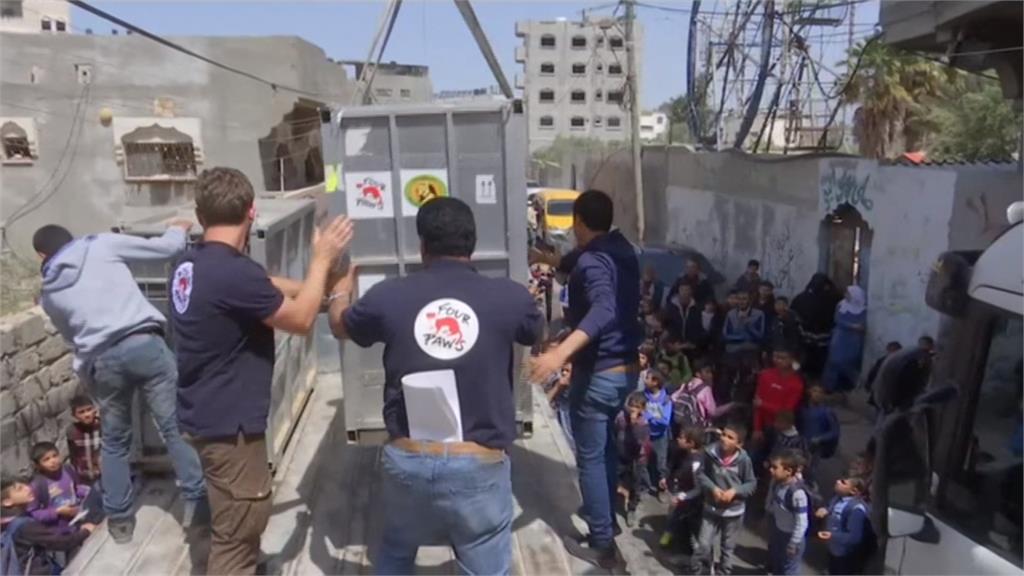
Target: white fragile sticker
[(369, 195), (486, 193), (420, 186)]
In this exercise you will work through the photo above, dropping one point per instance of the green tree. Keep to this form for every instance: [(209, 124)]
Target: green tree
[(974, 123), (678, 110), (893, 91)]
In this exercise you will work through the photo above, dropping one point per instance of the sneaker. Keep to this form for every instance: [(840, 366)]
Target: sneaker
[(630, 519), (121, 530), (666, 540), (197, 513), (606, 558)]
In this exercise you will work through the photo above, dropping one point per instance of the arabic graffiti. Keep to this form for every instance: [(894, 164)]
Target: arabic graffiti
[(844, 188)]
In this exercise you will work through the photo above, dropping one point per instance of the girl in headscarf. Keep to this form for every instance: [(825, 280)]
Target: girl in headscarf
[(847, 345), (815, 308)]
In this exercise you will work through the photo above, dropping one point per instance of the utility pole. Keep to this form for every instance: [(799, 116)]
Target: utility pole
[(634, 117)]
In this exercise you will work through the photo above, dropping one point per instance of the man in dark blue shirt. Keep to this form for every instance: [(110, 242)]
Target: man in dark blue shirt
[(224, 309), (451, 319), (604, 296)]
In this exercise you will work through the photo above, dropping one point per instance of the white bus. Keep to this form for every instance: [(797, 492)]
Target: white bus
[(949, 478)]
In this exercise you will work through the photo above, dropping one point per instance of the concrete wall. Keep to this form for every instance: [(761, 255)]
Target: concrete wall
[(135, 77), (598, 58), (36, 387), (733, 207)]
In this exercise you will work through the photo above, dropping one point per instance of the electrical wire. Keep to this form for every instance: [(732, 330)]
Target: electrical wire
[(179, 48), (40, 197)]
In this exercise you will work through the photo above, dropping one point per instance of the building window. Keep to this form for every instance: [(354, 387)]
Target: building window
[(599, 41), (598, 95), (17, 149), (599, 67), (578, 96), (615, 69), (547, 41), (47, 24), (406, 93), (547, 68), (577, 123), (158, 153), (615, 42), (598, 121), (579, 69), (614, 123), (10, 9), (615, 97), (61, 26), (547, 122), (579, 42), (547, 95), (383, 92), (661, 120)]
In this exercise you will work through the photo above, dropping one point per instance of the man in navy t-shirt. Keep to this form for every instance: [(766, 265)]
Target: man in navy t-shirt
[(224, 309), (447, 317)]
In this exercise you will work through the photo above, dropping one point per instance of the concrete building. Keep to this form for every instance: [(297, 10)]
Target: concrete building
[(95, 126), (879, 226), (396, 83), (574, 79), (35, 16), (653, 125)]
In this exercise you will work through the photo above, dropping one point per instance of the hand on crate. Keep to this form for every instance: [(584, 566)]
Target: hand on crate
[(332, 240), (182, 223)]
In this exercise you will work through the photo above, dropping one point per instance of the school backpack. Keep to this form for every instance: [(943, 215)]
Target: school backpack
[(10, 564), (687, 411), (869, 542), (790, 507)]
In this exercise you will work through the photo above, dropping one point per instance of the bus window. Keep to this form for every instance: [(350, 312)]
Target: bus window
[(984, 501)]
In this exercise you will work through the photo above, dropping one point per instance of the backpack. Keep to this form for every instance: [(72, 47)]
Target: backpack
[(687, 411), (790, 507), (869, 542), (10, 564)]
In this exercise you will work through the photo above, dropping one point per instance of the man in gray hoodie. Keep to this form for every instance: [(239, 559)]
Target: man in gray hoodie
[(118, 340)]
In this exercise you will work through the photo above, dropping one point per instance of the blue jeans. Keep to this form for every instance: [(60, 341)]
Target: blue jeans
[(140, 363), (595, 400), (565, 421), (463, 500)]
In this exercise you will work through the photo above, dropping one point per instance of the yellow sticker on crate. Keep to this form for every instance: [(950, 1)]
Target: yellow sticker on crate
[(419, 186)]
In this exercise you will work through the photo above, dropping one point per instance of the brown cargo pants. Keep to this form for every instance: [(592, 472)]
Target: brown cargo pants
[(239, 486)]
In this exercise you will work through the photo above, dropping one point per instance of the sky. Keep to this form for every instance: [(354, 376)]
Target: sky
[(429, 32)]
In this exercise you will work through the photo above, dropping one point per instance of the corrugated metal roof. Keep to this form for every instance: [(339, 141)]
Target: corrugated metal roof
[(921, 159)]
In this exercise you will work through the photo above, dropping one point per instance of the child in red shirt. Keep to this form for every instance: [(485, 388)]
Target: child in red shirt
[(778, 389)]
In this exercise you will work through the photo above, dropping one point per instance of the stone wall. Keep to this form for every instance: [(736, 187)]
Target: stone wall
[(36, 387)]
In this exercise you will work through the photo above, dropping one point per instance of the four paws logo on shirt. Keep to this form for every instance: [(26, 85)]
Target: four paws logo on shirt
[(446, 329), (181, 287)]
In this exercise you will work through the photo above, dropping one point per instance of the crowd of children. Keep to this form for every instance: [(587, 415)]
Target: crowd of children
[(45, 518), (713, 382)]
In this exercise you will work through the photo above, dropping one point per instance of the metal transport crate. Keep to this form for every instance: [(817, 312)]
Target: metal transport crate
[(280, 241), (381, 162)]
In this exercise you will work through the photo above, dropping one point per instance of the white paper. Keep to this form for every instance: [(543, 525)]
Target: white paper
[(485, 189), (368, 195), (436, 180), (432, 406), (366, 281)]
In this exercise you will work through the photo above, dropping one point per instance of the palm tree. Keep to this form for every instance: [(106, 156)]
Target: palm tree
[(892, 90)]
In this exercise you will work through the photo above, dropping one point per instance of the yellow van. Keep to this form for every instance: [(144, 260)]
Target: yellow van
[(555, 207)]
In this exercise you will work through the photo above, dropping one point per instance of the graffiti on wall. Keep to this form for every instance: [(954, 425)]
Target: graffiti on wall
[(782, 254), (845, 188)]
